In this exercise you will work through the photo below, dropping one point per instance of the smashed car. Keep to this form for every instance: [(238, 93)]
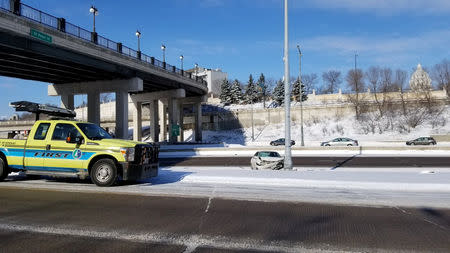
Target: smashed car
[(267, 160)]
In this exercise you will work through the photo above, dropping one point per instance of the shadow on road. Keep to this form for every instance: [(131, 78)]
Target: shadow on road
[(436, 215), (167, 176), (340, 164)]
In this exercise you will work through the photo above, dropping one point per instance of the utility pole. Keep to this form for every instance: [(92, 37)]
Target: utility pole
[(253, 131), (287, 94), (356, 55), (301, 94)]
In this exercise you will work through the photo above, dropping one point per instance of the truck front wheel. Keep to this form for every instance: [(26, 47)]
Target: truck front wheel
[(104, 172), (3, 169)]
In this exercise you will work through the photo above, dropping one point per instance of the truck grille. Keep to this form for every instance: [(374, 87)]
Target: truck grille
[(146, 154)]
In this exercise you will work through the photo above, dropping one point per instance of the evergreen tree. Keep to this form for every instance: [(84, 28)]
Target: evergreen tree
[(262, 89), (251, 92), (299, 88), (225, 92), (236, 92), (278, 93)]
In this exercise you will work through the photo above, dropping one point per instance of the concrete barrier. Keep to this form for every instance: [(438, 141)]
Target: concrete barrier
[(443, 138)]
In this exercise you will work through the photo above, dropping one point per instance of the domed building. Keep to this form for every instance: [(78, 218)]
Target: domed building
[(420, 80)]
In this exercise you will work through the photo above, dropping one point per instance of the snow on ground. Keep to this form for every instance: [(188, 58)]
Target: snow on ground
[(428, 187), (250, 151), (325, 129)]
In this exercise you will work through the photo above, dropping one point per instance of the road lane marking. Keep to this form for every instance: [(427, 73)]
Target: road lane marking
[(210, 199)]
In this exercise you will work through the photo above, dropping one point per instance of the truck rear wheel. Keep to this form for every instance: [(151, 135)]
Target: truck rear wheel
[(104, 172), (3, 169)]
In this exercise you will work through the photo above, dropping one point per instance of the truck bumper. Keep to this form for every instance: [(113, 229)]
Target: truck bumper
[(139, 171)]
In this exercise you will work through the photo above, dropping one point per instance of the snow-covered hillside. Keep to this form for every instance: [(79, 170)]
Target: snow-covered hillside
[(323, 129)]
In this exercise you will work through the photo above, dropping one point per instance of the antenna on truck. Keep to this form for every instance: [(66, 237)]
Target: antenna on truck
[(25, 106)]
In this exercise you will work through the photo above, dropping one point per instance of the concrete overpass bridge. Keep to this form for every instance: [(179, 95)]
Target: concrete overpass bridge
[(38, 46)]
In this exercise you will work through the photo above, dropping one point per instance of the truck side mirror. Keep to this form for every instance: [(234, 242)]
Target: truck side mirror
[(72, 138)]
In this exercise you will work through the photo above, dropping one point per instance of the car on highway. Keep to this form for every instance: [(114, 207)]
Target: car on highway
[(422, 141), (280, 141), (340, 142), (267, 160)]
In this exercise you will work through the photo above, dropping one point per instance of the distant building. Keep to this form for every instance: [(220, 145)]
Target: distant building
[(213, 77), (420, 80), (14, 117)]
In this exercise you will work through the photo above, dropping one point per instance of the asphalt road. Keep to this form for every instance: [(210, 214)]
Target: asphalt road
[(53, 221), (315, 161)]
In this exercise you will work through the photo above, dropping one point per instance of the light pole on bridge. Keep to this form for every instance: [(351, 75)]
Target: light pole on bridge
[(138, 35), (94, 12), (181, 59), (163, 48)]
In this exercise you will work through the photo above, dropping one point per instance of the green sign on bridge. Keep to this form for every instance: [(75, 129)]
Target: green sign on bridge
[(175, 130), (41, 36)]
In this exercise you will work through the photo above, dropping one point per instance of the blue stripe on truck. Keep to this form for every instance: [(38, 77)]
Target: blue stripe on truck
[(48, 154)]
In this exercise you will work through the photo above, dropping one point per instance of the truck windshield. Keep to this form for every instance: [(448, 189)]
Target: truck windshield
[(93, 131)]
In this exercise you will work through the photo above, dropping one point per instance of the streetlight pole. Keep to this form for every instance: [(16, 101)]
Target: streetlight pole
[(253, 130), (138, 34), (94, 12), (287, 94), (163, 48), (301, 95), (356, 55), (181, 59)]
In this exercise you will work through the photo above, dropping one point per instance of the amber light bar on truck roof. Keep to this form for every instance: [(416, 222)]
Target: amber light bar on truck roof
[(25, 106)]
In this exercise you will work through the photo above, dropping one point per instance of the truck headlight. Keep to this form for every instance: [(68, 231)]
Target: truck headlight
[(128, 154)]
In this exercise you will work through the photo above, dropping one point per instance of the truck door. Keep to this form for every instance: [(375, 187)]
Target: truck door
[(35, 148), (63, 156)]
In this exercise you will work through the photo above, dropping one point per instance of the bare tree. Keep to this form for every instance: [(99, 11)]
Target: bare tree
[(387, 81), (441, 73), (332, 79), (355, 83), (373, 77), (400, 82), (310, 81), (105, 97)]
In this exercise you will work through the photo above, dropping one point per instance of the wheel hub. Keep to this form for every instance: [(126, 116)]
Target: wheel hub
[(103, 173)]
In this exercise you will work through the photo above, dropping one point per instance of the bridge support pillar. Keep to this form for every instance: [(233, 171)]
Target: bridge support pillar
[(154, 121), (94, 107), (173, 99), (196, 103), (120, 86), (121, 114), (162, 121), (67, 101), (174, 118), (198, 122), (181, 122), (137, 121)]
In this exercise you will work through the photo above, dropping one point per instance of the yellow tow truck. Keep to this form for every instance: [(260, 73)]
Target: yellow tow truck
[(67, 148)]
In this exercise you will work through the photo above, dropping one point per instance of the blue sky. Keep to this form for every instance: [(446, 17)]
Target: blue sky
[(245, 37)]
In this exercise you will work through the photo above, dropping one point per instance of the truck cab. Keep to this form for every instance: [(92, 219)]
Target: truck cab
[(67, 148)]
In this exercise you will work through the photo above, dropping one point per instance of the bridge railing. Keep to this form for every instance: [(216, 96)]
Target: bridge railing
[(78, 31), (38, 16), (74, 30), (5, 5)]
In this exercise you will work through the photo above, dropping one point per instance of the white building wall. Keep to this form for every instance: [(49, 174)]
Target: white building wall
[(214, 78)]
